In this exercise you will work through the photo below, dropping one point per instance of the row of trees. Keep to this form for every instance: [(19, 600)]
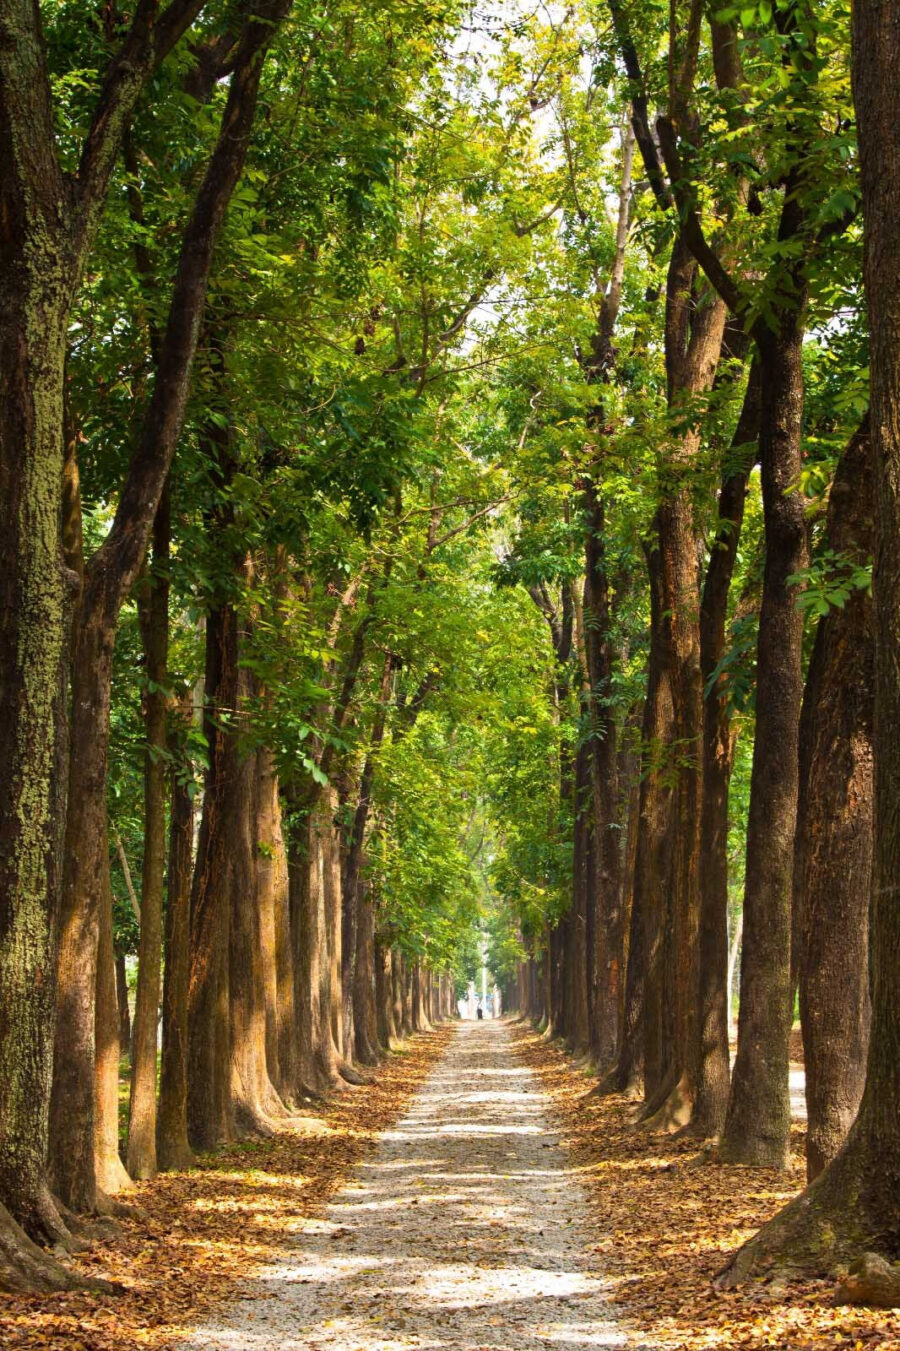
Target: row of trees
[(437, 489), (750, 560), (223, 233)]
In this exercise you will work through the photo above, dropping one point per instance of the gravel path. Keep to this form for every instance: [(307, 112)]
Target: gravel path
[(466, 1229)]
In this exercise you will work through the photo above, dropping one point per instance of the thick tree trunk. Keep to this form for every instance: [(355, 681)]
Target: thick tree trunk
[(408, 1027), (833, 855), (758, 1117), (255, 1101), (172, 1148), (695, 325), (349, 923), (72, 1123), (713, 1071), (627, 1073), (285, 1014), (153, 611), (579, 972)]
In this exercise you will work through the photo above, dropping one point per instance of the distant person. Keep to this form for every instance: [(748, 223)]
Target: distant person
[(479, 1011)]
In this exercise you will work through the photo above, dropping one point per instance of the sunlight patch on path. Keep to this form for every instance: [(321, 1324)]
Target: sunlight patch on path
[(467, 1230)]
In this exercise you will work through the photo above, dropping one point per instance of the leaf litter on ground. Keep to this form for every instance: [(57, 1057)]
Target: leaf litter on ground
[(672, 1218), (195, 1237)]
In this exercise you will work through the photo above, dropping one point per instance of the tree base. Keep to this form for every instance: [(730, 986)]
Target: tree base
[(673, 1114), (825, 1228), (27, 1269)]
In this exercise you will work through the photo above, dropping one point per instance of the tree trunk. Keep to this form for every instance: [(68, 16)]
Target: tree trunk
[(285, 1013), (364, 1014), (124, 1010), (172, 1148), (72, 1123), (833, 855), (652, 862), (109, 1169), (607, 853), (579, 1032), (153, 612), (626, 1075), (758, 1118), (268, 857), (209, 1106), (713, 1071), (317, 1061), (408, 1026), (397, 992), (695, 325), (384, 996)]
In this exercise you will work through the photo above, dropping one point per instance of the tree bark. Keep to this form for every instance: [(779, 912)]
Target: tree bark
[(124, 1010), (758, 1117), (209, 1108), (713, 1070), (270, 879), (172, 1148), (317, 1060), (833, 853), (607, 852), (111, 1173), (652, 862), (694, 331), (384, 996), (153, 611)]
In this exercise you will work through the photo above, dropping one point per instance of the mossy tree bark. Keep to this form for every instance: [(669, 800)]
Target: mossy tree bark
[(48, 222)]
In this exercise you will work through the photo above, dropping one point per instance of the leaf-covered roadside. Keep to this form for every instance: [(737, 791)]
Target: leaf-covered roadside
[(669, 1222), (197, 1234)]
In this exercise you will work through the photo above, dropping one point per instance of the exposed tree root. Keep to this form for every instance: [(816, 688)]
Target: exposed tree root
[(24, 1267), (352, 1075), (826, 1227), (617, 1081), (673, 1114)]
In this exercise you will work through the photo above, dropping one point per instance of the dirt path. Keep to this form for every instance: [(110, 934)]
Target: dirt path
[(466, 1229)]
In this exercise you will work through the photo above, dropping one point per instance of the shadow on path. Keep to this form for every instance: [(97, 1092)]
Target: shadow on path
[(466, 1229)]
